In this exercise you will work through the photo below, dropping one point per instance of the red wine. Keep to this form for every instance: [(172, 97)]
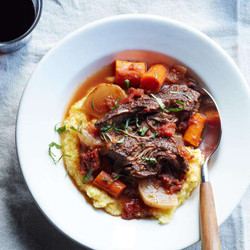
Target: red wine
[(16, 17)]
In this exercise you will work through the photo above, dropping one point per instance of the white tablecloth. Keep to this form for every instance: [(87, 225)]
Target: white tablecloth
[(22, 225)]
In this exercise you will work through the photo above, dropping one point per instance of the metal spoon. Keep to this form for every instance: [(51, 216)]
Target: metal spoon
[(212, 135)]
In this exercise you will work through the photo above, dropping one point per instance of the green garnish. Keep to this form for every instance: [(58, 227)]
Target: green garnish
[(156, 76), (107, 180), (67, 172), (154, 135), (107, 134), (177, 109), (106, 128), (116, 104), (79, 127), (92, 104), (126, 124), (87, 176), (150, 160), (143, 130), (161, 104), (52, 155), (137, 123), (60, 129), (127, 83), (163, 107), (117, 177), (181, 93), (121, 140), (104, 136), (53, 144), (110, 182)]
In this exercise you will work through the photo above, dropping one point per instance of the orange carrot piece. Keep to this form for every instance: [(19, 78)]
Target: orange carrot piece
[(132, 71), (154, 78), (193, 133), (105, 182)]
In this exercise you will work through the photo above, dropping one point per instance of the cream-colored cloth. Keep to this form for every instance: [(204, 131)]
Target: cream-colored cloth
[(22, 226)]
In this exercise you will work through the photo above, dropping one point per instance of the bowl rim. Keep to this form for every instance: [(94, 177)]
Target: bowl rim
[(123, 17)]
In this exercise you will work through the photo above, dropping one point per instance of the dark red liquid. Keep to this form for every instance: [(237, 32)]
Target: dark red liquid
[(16, 17)]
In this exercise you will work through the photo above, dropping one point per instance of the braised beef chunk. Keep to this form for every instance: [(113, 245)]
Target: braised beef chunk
[(143, 158), (169, 94), (182, 93), (141, 134), (127, 110)]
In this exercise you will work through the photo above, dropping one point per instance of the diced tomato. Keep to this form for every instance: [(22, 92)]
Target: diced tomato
[(172, 185), (135, 208), (183, 152), (90, 160), (134, 94), (167, 129), (92, 130)]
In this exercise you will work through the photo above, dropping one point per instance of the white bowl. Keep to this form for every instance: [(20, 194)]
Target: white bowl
[(80, 55)]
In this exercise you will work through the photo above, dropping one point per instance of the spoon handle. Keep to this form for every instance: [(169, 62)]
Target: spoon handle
[(210, 239)]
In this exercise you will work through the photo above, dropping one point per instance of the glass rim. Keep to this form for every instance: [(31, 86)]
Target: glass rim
[(32, 27)]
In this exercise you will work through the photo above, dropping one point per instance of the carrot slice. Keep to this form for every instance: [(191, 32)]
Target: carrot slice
[(132, 71), (154, 78), (193, 133), (105, 182)]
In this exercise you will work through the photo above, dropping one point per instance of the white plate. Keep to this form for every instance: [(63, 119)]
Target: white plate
[(80, 55)]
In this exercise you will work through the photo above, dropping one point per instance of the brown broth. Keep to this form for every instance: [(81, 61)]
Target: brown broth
[(91, 82)]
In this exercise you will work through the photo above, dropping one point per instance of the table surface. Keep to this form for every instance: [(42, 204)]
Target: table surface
[(22, 225)]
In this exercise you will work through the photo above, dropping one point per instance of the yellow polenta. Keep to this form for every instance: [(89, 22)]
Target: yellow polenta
[(99, 198)]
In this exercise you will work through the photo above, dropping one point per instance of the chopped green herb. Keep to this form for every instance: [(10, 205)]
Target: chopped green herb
[(103, 137), (87, 176), (110, 182), (159, 100), (106, 128), (121, 140), (107, 180), (177, 109), (137, 123), (116, 104), (126, 124), (79, 127), (154, 135), (53, 144), (60, 129), (150, 160), (117, 177), (92, 104), (181, 93), (52, 156), (156, 76), (127, 83), (67, 172), (107, 134), (143, 130)]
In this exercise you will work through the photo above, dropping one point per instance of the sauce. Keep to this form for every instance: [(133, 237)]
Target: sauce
[(16, 17), (91, 82)]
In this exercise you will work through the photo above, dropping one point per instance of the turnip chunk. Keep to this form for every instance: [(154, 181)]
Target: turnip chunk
[(154, 195), (96, 103)]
